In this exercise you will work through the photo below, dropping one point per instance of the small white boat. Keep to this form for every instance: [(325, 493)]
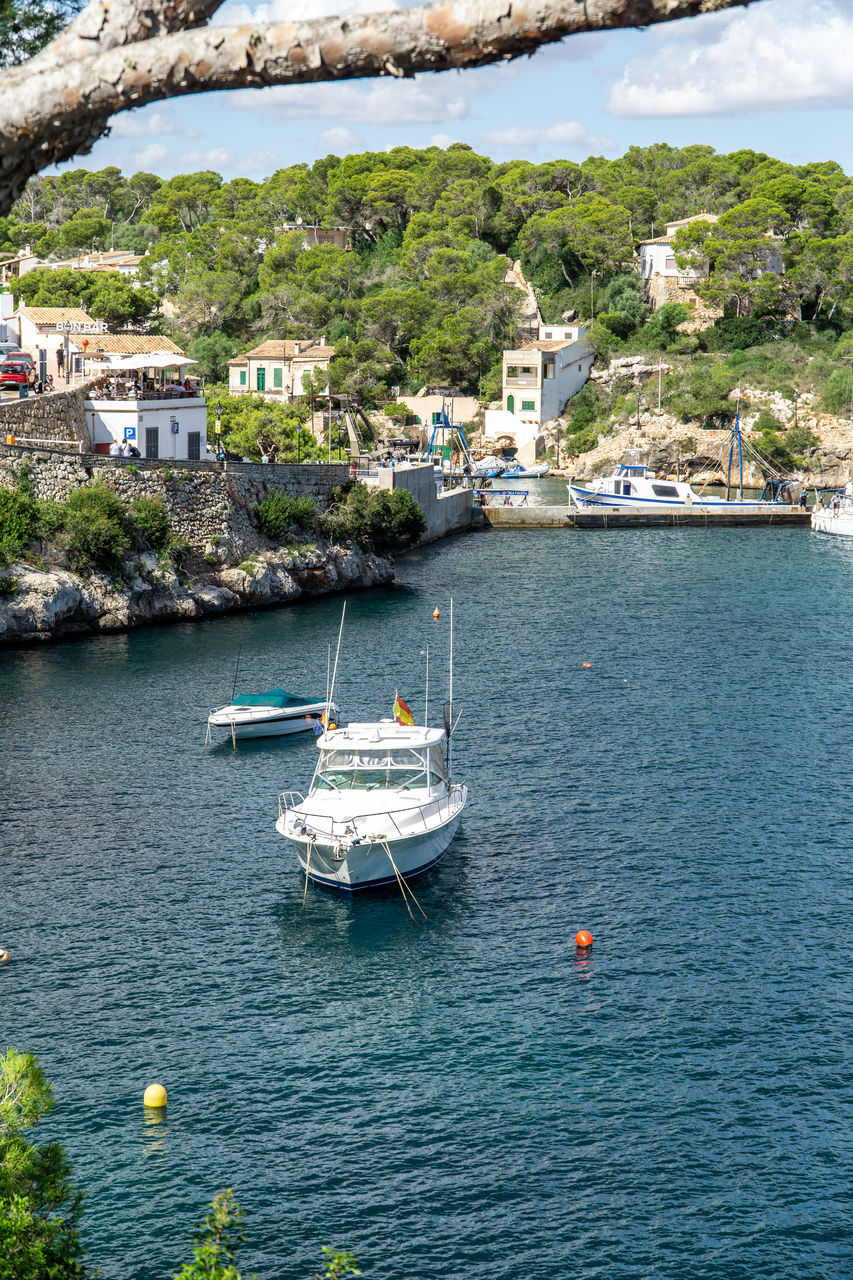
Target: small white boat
[(634, 487), (266, 715), (381, 807), (837, 517), (520, 472)]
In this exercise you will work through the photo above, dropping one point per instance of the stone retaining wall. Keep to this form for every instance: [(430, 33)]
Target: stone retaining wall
[(209, 505), (58, 416)]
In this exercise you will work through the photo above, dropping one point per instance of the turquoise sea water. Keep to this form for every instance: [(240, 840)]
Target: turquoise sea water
[(465, 1098)]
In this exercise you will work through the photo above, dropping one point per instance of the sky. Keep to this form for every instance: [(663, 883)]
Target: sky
[(776, 77)]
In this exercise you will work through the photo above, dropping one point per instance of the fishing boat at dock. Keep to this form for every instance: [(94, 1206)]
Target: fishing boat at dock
[(634, 486)]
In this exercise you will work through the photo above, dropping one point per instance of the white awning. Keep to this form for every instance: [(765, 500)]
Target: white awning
[(148, 360)]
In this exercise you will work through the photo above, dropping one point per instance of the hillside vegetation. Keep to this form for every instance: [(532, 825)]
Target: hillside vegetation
[(420, 295)]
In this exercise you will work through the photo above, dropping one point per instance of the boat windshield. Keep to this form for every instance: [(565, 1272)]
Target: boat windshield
[(382, 768)]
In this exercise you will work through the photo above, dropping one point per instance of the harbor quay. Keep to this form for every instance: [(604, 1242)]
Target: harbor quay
[(571, 518)]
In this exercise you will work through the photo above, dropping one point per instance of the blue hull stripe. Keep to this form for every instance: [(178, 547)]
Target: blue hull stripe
[(615, 500)]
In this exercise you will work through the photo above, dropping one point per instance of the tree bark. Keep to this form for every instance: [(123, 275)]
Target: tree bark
[(120, 54)]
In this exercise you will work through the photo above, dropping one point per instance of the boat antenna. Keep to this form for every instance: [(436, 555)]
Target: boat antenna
[(236, 673), (450, 734), (426, 693), (331, 694), (328, 669)]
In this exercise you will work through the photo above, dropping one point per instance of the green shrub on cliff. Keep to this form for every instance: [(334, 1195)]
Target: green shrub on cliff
[(98, 529), (279, 514), (379, 520), (19, 522), (152, 520)]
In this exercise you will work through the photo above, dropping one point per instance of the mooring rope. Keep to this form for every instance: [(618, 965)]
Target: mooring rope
[(403, 886), (307, 868)]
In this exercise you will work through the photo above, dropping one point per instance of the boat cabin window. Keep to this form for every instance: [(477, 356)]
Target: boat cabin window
[(380, 768), (626, 488), (665, 490)]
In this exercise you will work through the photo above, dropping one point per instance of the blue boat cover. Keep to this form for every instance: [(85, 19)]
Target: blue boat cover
[(275, 698)]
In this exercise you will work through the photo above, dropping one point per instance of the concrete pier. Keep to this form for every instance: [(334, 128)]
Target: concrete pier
[(573, 518)]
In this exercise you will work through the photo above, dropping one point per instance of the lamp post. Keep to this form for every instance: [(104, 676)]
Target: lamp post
[(592, 276), (218, 428), (796, 398), (558, 448)]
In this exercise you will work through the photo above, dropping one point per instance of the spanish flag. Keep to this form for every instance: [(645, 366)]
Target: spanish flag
[(402, 713)]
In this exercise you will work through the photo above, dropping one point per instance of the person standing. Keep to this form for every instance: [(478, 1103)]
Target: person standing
[(60, 360)]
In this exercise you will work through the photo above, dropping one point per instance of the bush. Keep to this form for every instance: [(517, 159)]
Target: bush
[(100, 534), (152, 520), (380, 520), (735, 333), (278, 514), (19, 520)]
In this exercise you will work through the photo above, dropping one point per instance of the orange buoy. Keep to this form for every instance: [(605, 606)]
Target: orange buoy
[(4, 956), (583, 938), (436, 613), (586, 664)]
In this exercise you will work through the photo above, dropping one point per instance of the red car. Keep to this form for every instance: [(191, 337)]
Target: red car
[(17, 357), (13, 375)]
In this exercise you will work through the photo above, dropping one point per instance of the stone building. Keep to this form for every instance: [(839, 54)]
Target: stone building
[(663, 279)]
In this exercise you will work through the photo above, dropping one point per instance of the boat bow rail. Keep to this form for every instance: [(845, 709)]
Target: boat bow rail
[(303, 822)]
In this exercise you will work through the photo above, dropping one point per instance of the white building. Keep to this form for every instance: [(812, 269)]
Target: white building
[(663, 278), (275, 369), (542, 374), (159, 428), (45, 331)]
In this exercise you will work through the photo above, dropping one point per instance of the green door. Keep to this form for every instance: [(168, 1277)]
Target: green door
[(510, 403), (262, 379)]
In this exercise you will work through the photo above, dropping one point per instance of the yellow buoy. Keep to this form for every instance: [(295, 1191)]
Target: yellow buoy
[(155, 1096)]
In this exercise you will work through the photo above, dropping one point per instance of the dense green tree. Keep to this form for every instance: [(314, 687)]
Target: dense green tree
[(105, 295), (39, 1206)]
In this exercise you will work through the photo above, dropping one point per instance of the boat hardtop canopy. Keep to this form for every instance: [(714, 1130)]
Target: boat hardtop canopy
[(382, 733), (633, 468), (273, 698)]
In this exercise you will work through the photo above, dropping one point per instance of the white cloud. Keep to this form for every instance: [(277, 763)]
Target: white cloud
[(338, 140), (150, 155), (216, 158), (443, 140), (568, 133), (387, 101), (773, 56), (144, 123), (282, 10)]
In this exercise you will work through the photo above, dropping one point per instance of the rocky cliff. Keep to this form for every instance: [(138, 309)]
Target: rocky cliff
[(37, 606)]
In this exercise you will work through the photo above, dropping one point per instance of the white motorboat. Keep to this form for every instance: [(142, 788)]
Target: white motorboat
[(837, 517), (520, 472), (634, 487), (381, 807), (265, 715)]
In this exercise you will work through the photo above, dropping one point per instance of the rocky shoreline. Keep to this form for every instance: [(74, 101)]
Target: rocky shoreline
[(41, 606)]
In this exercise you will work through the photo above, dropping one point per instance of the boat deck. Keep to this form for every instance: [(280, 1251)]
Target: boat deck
[(572, 518)]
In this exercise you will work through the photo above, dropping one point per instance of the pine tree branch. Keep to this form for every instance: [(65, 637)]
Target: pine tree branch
[(59, 104)]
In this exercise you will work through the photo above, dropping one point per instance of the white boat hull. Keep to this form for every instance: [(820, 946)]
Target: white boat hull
[(839, 523), (266, 729), (362, 853), (590, 499)]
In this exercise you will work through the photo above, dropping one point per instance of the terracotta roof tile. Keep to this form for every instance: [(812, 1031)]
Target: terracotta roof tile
[(56, 315), (128, 344)]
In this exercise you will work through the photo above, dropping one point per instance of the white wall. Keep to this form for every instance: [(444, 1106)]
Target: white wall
[(109, 419)]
